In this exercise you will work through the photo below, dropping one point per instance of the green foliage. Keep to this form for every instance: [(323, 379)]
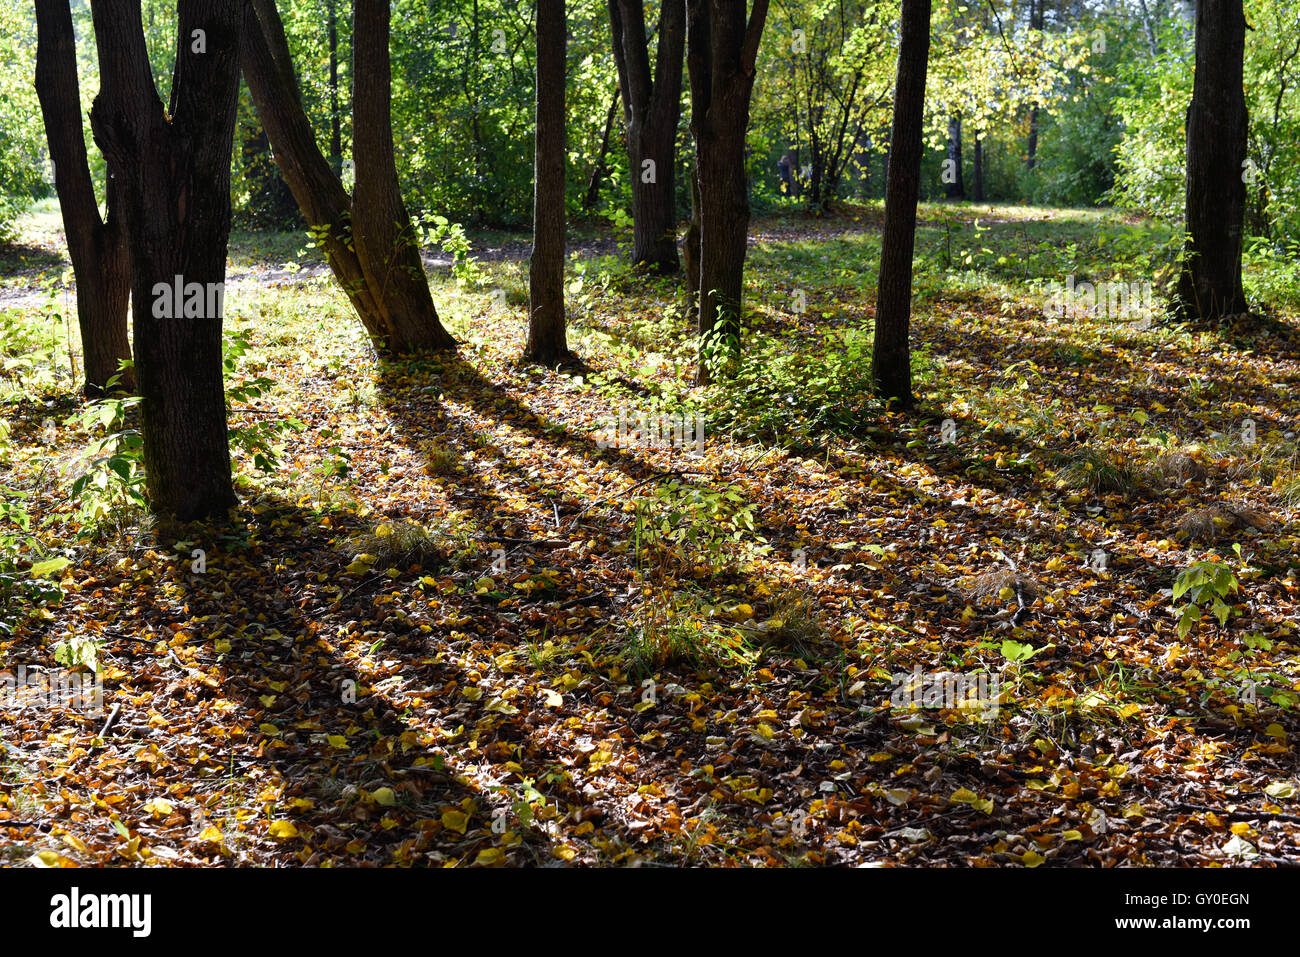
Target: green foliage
[(25, 587), (699, 526), (21, 134), (1206, 585)]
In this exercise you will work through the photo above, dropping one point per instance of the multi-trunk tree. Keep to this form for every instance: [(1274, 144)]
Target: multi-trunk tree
[(651, 112), (1209, 286), (722, 46), (891, 357), (97, 246), (368, 237), (172, 167)]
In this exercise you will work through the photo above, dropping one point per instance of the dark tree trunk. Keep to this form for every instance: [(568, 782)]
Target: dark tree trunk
[(385, 239), (336, 133), (173, 170), (1209, 286), (1031, 158), (721, 56), (977, 169), (957, 188), (398, 319), (651, 111), (601, 168), (546, 335), (97, 248), (692, 251), (891, 357)]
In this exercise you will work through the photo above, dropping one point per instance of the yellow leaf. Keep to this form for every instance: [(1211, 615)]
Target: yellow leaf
[(489, 856), (211, 835), (553, 698), (221, 646), (1032, 858), (159, 807), (283, 830), (1055, 565), (964, 796), (1072, 835), (1276, 732), (455, 820), (564, 852), (384, 796), (337, 740)]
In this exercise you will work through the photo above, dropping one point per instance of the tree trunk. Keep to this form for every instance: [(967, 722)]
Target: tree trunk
[(601, 168), (397, 317), (97, 248), (651, 111), (385, 239), (978, 168), (954, 185), (722, 52), (1031, 158), (891, 358), (1209, 286), (336, 133), (692, 251), (173, 170), (546, 334)]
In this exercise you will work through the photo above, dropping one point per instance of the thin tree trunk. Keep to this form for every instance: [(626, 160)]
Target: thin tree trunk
[(97, 248), (1209, 286), (891, 357), (956, 189), (692, 251), (722, 51), (1031, 158), (173, 169), (601, 169), (546, 333), (978, 167), (651, 112), (336, 133)]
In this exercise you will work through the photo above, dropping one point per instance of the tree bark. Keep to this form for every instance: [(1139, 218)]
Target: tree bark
[(173, 170), (397, 317), (977, 168), (385, 239), (722, 49), (1031, 158), (651, 112), (546, 333), (1209, 285), (891, 357), (97, 248)]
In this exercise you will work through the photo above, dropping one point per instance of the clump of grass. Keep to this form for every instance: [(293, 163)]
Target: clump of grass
[(439, 459), (403, 543), (795, 623), (1175, 468), (1002, 583), (676, 628), (1209, 525), (1105, 473), (1287, 487)]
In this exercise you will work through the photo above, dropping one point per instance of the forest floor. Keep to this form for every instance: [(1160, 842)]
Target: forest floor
[(450, 624)]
